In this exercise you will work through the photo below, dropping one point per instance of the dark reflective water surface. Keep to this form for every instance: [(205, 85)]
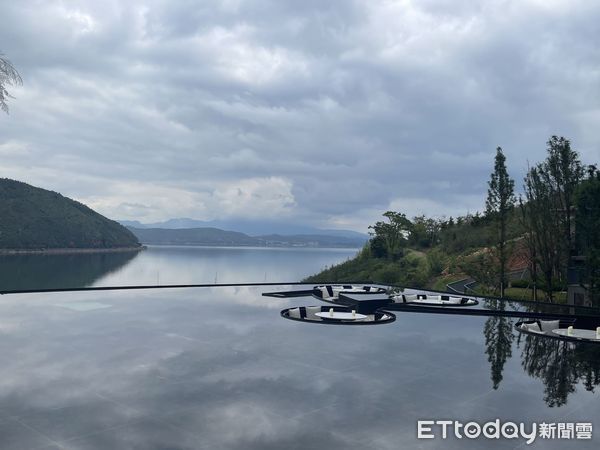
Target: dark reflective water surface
[(59, 271), (219, 368)]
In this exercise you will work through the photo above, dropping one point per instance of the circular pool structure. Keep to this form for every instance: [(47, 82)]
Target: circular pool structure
[(563, 330), (336, 315)]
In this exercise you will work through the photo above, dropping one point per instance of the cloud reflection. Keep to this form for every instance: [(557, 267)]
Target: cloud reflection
[(218, 368)]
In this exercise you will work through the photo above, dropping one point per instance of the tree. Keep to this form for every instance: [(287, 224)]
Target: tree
[(543, 223), (425, 231), (8, 77), (392, 234), (565, 172), (481, 266), (587, 202), (550, 192), (500, 201), (527, 223)]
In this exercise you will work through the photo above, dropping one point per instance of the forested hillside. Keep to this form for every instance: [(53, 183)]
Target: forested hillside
[(550, 233), (37, 219)]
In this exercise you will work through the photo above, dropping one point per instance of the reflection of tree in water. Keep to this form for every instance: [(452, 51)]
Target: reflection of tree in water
[(588, 365), (561, 365), (551, 361), (498, 332), (58, 271)]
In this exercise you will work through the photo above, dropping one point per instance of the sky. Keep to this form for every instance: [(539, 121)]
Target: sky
[(307, 112)]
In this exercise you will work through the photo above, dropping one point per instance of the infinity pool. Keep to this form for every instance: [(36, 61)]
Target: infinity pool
[(218, 368)]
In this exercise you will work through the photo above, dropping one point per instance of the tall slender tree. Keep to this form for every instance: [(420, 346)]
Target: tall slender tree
[(500, 201), (587, 202), (564, 173), (549, 189), (527, 223), (544, 224)]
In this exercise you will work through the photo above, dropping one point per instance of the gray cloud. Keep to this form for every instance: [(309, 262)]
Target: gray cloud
[(323, 114)]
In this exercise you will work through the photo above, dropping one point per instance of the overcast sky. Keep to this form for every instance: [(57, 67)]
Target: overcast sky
[(324, 113)]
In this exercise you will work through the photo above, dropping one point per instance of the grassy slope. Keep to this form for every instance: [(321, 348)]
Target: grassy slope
[(526, 294), (34, 218), (411, 270), (417, 267)]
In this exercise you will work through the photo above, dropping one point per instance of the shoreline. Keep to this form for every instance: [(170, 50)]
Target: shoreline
[(253, 247), (62, 251)]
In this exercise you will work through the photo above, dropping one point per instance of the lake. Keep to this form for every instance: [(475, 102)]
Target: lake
[(218, 368), (167, 265)]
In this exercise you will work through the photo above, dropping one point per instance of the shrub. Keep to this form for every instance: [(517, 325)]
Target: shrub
[(520, 283), (436, 262), (388, 274)]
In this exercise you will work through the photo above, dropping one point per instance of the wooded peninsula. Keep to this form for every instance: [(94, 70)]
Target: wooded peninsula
[(37, 220)]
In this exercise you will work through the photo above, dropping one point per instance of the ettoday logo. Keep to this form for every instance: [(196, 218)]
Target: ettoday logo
[(431, 429)]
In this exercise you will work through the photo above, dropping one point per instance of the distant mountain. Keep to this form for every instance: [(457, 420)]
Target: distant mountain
[(249, 227), (132, 224), (311, 240), (217, 237), (32, 218)]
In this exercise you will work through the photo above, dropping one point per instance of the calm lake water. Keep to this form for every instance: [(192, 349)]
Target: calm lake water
[(218, 368), (167, 265)]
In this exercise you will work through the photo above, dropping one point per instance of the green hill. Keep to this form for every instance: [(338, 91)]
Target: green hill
[(433, 251), (193, 236), (37, 219)]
